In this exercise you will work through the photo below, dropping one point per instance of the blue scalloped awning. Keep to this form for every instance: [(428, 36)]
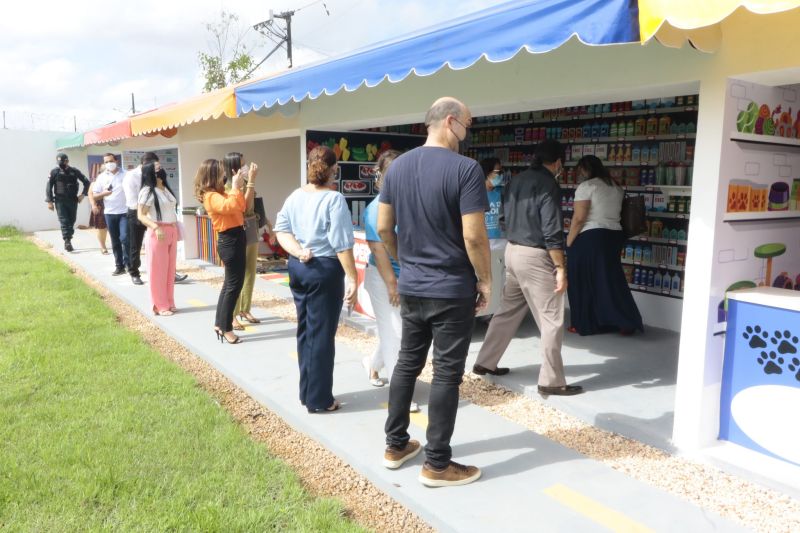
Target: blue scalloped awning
[(497, 33)]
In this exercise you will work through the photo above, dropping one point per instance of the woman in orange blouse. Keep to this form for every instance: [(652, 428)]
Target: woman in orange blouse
[(227, 217)]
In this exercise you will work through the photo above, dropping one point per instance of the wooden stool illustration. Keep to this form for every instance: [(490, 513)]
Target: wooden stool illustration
[(768, 251)]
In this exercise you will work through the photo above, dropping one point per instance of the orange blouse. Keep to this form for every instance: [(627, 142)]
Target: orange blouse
[(226, 210)]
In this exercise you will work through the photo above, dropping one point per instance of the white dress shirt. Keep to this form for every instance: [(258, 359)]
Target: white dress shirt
[(132, 184), (115, 203)]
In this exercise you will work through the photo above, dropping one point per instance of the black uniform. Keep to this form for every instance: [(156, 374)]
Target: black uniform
[(62, 190)]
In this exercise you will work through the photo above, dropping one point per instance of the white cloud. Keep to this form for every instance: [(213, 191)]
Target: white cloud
[(86, 58)]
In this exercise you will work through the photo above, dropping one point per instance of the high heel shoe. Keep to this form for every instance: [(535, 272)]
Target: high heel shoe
[(249, 317), (219, 334), (236, 338)]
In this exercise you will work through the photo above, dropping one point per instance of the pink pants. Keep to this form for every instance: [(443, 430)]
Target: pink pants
[(161, 257)]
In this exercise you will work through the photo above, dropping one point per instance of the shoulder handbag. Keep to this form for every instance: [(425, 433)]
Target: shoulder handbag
[(251, 229), (633, 216)]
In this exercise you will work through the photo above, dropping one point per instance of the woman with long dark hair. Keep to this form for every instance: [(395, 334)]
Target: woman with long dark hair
[(157, 211), (315, 227), (227, 218), (231, 165), (600, 300)]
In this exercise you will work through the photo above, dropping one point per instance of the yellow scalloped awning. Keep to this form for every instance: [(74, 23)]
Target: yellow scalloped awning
[(203, 107), (673, 22)]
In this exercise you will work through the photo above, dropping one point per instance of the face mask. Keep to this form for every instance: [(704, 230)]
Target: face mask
[(111, 167), (497, 180), (62, 165)]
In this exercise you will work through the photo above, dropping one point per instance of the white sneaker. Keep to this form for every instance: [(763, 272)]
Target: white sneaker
[(414, 407)]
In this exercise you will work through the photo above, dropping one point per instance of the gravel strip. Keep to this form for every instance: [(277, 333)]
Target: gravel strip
[(322, 472)]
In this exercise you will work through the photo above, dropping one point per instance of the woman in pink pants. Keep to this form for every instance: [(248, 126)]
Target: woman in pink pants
[(157, 211)]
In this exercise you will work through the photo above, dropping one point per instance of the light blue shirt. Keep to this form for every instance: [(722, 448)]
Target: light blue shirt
[(320, 221), (371, 231)]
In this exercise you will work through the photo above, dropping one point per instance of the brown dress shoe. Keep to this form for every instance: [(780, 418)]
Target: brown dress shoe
[(482, 371), (566, 390)]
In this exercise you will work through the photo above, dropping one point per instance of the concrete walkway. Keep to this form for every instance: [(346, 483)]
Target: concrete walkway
[(529, 482)]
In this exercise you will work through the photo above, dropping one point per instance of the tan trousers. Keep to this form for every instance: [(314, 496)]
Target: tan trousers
[(530, 282)]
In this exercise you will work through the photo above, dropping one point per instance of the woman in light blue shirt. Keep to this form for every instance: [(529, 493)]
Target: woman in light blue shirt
[(315, 227)]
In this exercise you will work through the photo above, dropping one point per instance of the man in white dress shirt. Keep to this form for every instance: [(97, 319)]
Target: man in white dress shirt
[(108, 186), (132, 185)]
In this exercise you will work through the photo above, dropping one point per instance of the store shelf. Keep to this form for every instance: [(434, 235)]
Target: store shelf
[(589, 116), (674, 190), (765, 139), (659, 240), (664, 214), (676, 268), (761, 215), (634, 163), (591, 140), (652, 290)]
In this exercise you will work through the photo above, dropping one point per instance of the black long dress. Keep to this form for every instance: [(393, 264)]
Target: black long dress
[(600, 300)]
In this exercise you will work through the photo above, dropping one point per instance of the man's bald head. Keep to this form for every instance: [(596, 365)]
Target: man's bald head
[(442, 108)]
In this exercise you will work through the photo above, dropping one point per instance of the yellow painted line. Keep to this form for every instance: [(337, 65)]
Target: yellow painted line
[(195, 303), (418, 419), (595, 511)]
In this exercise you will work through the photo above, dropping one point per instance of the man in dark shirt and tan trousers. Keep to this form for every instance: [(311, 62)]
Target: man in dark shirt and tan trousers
[(431, 218), (536, 274)]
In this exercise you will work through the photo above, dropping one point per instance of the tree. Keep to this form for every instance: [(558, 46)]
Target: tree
[(228, 59)]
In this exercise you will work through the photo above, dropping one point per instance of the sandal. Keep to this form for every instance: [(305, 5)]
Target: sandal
[(162, 313), (372, 375), (237, 325), (249, 317), (335, 406), (104, 251)]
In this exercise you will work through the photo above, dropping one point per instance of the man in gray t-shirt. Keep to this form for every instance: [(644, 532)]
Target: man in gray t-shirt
[(437, 199)]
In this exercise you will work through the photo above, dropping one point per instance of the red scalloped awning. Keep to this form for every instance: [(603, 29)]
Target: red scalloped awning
[(112, 132)]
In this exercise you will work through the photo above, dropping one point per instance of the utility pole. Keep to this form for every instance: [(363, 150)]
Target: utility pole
[(280, 36), (133, 105), (277, 35)]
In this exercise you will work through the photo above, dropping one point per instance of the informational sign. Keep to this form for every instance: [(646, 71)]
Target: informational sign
[(168, 158)]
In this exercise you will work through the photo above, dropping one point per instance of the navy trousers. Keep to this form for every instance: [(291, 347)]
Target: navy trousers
[(118, 230), (318, 290)]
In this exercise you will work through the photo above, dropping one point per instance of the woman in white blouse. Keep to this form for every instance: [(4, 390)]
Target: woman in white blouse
[(600, 300), (157, 211)]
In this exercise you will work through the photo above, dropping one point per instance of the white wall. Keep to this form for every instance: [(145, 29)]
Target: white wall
[(28, 157), (278, 175)]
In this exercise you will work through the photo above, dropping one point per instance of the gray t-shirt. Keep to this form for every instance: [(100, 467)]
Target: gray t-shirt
[(430, 189)]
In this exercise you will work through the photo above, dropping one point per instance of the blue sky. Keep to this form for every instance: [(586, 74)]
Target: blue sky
[(86, 59)]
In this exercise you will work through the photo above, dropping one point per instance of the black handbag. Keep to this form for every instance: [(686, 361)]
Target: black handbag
[(633, 216)]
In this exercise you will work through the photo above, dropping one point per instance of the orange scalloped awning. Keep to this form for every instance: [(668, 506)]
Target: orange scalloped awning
[(673, 22), (113, 132), (203, 107)]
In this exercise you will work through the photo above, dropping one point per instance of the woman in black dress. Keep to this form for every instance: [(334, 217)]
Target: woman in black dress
[(600, 300)]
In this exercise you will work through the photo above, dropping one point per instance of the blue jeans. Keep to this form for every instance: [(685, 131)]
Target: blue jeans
[(448, 323), (118, 230), (318, 290)]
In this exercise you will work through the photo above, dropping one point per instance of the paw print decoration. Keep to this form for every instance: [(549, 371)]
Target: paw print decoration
[(774, 349), (756, 336)]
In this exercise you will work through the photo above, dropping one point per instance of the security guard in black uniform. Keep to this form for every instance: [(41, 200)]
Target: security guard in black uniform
[(62, 195)]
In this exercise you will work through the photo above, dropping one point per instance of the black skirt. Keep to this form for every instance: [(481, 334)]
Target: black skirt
[(600, 300)]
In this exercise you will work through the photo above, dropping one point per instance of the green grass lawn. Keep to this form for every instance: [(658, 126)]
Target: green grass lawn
[(99, 432)]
